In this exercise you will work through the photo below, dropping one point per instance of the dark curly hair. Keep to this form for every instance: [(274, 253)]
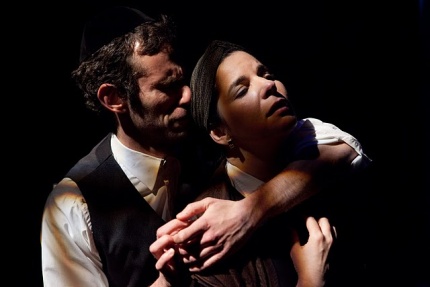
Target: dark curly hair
[(111, 63)]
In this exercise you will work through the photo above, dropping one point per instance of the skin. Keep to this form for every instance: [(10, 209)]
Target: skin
[(310, 259), (156, 123), (222, 226), (164, 100), (249, 99)]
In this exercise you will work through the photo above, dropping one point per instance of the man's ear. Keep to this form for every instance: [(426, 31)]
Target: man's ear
[(109, 97), (219, 135)]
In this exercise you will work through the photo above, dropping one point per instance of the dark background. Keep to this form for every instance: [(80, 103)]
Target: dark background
[(363, 65)]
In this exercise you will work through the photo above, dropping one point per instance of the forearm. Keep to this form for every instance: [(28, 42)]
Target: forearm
[(300, 180), (292, 186)]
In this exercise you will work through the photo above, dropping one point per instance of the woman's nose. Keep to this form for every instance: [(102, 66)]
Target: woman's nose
[(270, 88)]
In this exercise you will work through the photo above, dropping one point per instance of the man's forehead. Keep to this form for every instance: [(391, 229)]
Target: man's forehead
[(159, 67)]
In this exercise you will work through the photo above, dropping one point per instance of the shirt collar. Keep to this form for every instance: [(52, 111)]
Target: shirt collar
[(142, 166), (242, 181)]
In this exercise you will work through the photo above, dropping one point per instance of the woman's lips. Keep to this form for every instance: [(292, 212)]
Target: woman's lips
[(280, 106)]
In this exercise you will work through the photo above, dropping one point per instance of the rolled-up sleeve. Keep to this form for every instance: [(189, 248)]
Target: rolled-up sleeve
[(312, 131)]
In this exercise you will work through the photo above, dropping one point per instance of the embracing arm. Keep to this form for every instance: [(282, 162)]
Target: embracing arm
[(221, 226), (300, 180), (224, 225)]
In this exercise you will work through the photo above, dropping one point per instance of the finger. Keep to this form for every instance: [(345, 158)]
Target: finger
[(192, 243), (312, 224), (324, 224), (165, 261), (326, 228), (193, 209), (159, 246), (203, 264), (171, 227), (188, 256), (190, 232), (188, 252), (209, 250), (204, 254)]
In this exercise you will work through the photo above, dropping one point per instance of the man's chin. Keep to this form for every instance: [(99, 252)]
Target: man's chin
[(179, 135), (181, 126)]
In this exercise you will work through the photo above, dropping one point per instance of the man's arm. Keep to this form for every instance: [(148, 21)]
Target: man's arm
[(223, 226), (300, 180), (69, 255)]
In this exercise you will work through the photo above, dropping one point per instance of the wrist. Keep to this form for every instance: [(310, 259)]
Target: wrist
[(310, 283), (258, 208)]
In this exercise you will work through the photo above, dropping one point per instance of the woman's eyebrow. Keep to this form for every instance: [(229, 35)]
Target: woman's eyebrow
[(235, 83), (262, 69)]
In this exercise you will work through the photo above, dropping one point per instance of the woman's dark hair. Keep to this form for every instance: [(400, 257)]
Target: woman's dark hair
[(204, 94)]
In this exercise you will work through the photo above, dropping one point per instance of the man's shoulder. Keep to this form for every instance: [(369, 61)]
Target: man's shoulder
[(99, 154)]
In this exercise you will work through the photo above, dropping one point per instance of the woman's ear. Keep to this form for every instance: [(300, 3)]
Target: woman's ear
[(109, 97), (219, 135)]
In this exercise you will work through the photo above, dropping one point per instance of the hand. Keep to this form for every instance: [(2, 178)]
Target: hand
[(209, 230), (162, 249), (310, 260), (186, 249)]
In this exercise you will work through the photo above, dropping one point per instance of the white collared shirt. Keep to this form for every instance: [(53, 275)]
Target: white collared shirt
[(142, 169)]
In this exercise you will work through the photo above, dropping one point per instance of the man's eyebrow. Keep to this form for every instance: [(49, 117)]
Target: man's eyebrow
[(172, 77)]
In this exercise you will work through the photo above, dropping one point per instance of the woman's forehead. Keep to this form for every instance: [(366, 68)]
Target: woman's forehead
[(237, 61), (239, 56)]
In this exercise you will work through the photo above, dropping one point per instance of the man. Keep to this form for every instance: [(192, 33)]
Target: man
[(100, 220)]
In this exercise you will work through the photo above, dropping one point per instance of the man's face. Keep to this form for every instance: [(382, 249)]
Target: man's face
[(163, 117)]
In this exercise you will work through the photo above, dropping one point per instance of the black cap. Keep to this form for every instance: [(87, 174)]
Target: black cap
[(107, 25)]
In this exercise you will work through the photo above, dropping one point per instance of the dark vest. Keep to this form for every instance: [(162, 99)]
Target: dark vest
[(124, 224)]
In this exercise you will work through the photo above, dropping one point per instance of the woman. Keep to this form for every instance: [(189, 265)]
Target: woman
[(247, 113)]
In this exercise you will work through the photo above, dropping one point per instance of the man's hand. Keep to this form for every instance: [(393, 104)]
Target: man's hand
[(210, 229)]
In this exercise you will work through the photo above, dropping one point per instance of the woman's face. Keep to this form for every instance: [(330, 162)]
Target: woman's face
[(252, 104)]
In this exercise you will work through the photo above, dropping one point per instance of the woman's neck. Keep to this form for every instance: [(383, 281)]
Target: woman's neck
[(263, 165)]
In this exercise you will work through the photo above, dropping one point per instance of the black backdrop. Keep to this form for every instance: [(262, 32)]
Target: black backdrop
[(363, 65)]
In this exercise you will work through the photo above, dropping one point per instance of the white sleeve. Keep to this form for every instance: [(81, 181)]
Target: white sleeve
[(69, 255), (311, 131)]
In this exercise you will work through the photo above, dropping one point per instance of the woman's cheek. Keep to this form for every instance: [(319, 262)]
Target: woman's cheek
[(281, 88)]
